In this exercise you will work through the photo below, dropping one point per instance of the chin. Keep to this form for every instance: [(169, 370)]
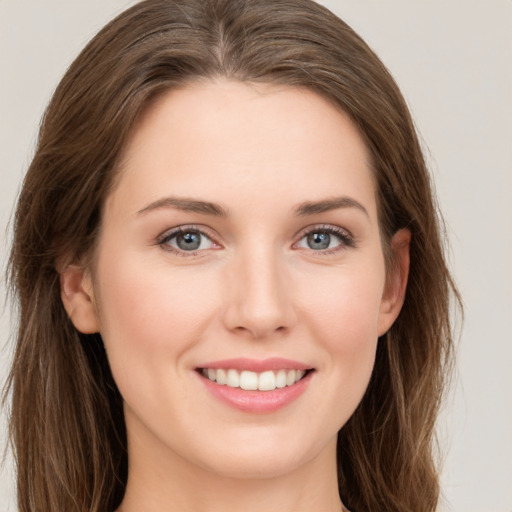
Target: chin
[(256, 466), (265, 456)]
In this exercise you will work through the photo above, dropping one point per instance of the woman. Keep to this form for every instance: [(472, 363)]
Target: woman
[(222, 249)]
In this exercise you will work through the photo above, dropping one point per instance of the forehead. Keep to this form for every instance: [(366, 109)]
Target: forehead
[(213, 137)]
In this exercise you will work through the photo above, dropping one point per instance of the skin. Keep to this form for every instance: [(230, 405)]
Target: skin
[(255, 288)]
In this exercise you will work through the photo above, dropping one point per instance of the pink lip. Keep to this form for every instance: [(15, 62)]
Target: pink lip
[(255, 365), (258, 402)]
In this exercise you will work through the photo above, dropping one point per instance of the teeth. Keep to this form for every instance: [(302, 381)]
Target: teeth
[(290, 377), (267, 381), (222, 378), (249, 380), (233, 380), (281, 379), (252, 381)]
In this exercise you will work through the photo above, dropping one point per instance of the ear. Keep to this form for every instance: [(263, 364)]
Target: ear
[(76, 291), (396, 281)]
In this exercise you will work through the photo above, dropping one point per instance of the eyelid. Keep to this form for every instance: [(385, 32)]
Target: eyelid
[(348, 240), (164, 237)]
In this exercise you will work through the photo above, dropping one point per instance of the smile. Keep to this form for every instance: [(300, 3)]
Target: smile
[(256, 386), (254, 381)]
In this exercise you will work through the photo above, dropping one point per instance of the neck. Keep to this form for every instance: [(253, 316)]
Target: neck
[(173, 484)]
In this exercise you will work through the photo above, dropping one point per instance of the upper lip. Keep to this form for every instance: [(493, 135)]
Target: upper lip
[(256, 365)]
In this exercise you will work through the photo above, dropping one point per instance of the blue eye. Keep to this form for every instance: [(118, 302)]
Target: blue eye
[(319, 241), (325, 239), (187, 240)]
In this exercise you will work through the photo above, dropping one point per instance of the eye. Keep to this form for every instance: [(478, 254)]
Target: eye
[(183, 240), (326, 238)]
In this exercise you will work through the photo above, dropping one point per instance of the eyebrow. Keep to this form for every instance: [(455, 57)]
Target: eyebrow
[(315, 207), (209, 208), (187, 205)]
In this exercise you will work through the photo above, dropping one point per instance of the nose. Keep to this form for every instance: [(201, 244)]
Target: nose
[(260, 298)]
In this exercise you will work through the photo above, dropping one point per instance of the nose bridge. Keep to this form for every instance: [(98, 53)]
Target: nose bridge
[(259, 300)]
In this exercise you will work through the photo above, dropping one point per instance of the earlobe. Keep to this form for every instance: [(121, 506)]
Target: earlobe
[(396, 281), (77, 296)]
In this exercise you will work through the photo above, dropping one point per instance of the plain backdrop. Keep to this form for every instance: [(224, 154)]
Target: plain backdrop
[(453, 61)]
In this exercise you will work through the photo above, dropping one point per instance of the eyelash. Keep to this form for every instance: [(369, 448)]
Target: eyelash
[(347, 240), (164, 239)]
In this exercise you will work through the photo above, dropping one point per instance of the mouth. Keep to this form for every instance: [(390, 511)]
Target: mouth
[(256, 386), (247, 380)]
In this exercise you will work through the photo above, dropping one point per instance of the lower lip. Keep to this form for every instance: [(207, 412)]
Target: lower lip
[(259, 402)]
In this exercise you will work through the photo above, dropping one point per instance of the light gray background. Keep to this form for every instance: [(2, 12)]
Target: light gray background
[(452, 59)]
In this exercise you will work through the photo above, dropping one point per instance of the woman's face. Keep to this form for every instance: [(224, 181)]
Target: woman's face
[(240, 245)]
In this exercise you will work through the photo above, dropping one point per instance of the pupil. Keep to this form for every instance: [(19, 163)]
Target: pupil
[(319, 240), (188, 241)]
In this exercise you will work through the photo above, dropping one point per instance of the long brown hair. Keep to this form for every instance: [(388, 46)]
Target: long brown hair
[(67, 426)]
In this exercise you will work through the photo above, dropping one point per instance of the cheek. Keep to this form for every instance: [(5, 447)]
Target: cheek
[(346, 304), (344, 320), (148, 314)]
